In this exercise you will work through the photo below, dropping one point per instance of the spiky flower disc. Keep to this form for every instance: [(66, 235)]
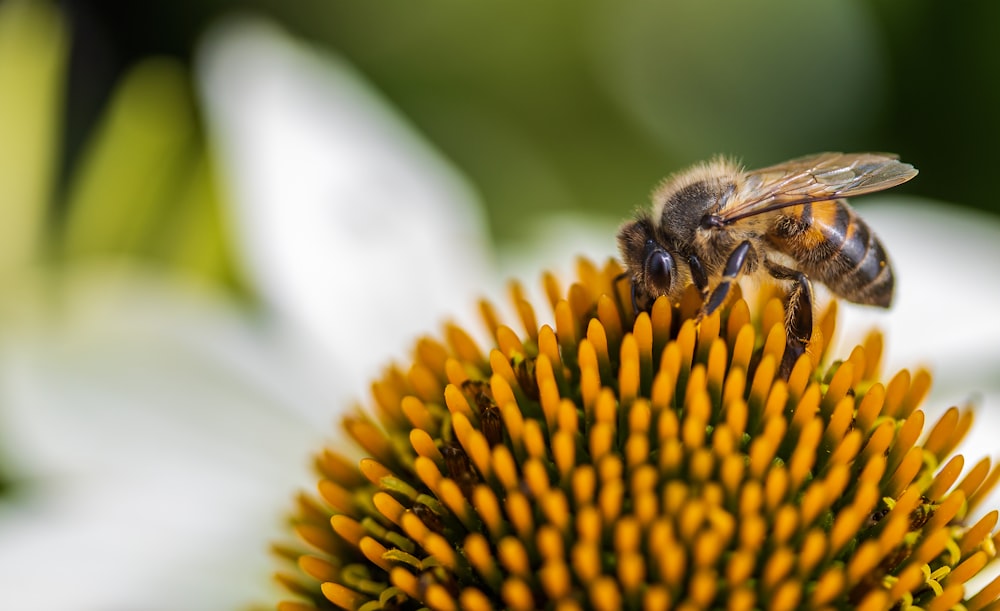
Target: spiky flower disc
[(644, 462)]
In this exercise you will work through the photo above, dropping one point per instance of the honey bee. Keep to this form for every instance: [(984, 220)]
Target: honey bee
[(715, 222)]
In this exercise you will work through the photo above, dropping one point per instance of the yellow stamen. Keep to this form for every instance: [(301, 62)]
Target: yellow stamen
[(348, 529), (984, 488), (338, 498), (519, 512), (318, 568), (786, 597), (977, 533), (904, 474), (895, 393), (373, 470), (586, 560), (456, 401), (339, 595), (651, 460), (556, 579), (969, 567), (986, 596), (424, 382), (909, 580), (947, 599), (604, 594)]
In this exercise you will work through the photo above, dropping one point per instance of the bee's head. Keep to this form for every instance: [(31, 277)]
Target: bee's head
[(649, 262)]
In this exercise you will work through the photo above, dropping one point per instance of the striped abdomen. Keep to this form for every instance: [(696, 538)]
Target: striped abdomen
[(833, 245)]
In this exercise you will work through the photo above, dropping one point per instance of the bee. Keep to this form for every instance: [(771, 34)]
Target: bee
[(716, 222)]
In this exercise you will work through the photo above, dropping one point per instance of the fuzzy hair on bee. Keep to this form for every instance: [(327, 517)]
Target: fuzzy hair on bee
[(716, 222)]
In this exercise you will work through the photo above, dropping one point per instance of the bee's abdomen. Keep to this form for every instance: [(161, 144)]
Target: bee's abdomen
[(836, 247)]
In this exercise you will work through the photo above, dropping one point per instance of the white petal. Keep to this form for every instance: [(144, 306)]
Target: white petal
[(354, 230), (152, 430), (944, 316), (944, 311)]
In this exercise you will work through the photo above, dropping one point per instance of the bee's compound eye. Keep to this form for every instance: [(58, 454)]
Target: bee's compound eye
[(659, 267)]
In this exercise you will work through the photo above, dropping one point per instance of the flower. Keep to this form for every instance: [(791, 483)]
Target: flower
[(649, 461), (152, 424)]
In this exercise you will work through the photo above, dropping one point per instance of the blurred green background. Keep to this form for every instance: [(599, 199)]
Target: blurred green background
[(573, 105), (558, 107)]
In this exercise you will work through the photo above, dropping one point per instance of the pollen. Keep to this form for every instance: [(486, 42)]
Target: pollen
[(610, 460)]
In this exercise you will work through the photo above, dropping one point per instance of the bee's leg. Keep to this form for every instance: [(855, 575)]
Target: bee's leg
[(698, 276), (633, 292), (734, 267), (641, 300), (614, 283), (798, 302), (798, 314)]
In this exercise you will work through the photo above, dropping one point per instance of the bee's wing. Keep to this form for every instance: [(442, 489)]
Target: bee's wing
[(820, 177)]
